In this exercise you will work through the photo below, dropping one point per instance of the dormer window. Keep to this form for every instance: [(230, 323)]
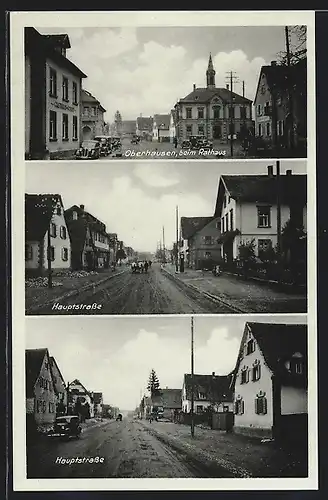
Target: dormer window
[(250, 346), (297, 364), (74, 215)]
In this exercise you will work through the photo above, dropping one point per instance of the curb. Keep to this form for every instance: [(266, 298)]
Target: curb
[(73, 292), (208, 295), (200, 459)]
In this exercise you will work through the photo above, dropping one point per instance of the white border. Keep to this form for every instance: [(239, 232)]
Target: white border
[(18, 20)]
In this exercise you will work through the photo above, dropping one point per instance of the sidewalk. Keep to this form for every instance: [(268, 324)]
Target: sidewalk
[(239, 455), (248, 296), (37, 294)]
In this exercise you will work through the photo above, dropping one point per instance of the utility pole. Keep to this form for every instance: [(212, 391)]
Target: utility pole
[(164, 256), (232, 78), (278, 216), (192, 423), (67, 396), (177, 239), (290, 96), (49, 252)]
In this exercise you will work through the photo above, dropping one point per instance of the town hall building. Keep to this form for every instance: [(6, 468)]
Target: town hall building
[(212, 111)]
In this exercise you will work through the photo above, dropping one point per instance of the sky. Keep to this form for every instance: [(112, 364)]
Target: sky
[(115, 355), (145, 70), (136, 199)]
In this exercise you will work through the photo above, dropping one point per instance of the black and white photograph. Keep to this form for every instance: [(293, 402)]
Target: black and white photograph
[(179, 397), (206, 92), (166, 238)]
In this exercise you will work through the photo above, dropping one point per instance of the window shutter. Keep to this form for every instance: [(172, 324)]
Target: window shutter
[(242, 406), (257, 406), (259, 372), (265, 406), (235, 408)]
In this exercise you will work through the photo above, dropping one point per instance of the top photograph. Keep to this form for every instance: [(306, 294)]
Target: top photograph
[(192, 92)]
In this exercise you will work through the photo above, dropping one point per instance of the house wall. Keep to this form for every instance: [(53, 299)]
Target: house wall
[(249, 422), (186, 404), (44, 397), (62, 147), (34, 262), (293, 400), (27, 103), (59, 385), (58, 243), (198, 247)]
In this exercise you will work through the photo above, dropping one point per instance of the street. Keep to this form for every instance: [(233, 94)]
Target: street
[(137, 449), (149, 293), (167, 150), (127, 448)]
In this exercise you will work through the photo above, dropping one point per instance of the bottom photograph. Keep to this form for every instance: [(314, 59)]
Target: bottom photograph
[(167, 397)]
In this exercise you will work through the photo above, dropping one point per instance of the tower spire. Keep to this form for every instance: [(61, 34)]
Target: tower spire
[(210, 73)]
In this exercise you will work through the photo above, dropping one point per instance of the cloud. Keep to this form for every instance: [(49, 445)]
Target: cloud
[(155, 177), (149, 78), (137, 216)]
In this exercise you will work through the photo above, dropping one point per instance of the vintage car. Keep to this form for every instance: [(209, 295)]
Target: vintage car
[(89, 150), (205, 144), (67, 426), (119, 417), (116, 143), (105, 144)]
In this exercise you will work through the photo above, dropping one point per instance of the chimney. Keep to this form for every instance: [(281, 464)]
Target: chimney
[(227, 86), (194, 86), (273, 63), (270, 170), (82, 207), (288, 172)]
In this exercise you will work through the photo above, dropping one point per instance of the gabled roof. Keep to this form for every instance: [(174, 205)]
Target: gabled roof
[(59, 40), (281, 77), (277, 343), (77, 382), (87, 97), (168, 398), (39, 209), (215, 387), (33, 362), (53, 362), (44, 44), (162, 121), (204, 95), (191, 225), (145, 123), (87, 218), (262, 188)]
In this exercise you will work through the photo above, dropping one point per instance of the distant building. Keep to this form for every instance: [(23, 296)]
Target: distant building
[(169, 401), (161, 128), (270, 381), (52, 97), (144, 127), (128, 128), (93, 123), (80, 400), (281, 106), (98, 401), (91, 244), (212, 111), (209, 391), (44, 221), (199, 242)]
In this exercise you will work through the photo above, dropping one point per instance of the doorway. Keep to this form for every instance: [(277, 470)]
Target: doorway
[(217, 132)]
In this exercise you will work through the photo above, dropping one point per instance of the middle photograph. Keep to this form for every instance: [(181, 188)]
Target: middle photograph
[(166, 237)]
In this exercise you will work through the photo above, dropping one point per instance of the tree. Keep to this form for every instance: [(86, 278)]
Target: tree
[(153, 384), (294, 245), (246, 255), (297, 46)]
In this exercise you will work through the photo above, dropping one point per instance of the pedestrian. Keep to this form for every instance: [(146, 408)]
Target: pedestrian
[(146, 266), (175, 142)]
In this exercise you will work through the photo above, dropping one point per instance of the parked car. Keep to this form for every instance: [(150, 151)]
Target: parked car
[(185, 144), (105, 144), (205, 144), (67, 426), (89, 150)]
